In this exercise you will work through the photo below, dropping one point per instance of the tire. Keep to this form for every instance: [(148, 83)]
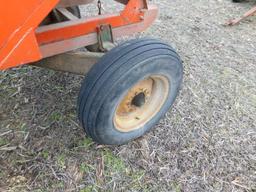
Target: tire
[(129, 90)]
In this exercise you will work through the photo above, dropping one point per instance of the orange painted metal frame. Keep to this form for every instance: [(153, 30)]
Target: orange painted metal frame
[(21, 41), (19, 19)]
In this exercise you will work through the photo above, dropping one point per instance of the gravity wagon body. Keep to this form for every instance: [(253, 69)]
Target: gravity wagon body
[(127, 88)]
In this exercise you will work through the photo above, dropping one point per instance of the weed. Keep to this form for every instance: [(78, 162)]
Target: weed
[(3, 141), (113, 163), (176, 187), (45, 154), (61, 161), (55, 116), (86, 142), (85, 168), (89, 188)]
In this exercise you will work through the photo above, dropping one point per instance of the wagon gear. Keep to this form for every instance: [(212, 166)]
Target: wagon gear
[(128, 88)]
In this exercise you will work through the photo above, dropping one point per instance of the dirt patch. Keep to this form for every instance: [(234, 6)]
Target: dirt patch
[(207, 142)]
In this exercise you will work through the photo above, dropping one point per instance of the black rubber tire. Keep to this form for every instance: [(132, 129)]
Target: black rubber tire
[(115, 73)]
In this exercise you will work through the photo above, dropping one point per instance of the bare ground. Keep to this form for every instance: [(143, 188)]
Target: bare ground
[(207, 142)]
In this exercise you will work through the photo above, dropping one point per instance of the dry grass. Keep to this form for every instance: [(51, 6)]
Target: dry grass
[(206, 143)]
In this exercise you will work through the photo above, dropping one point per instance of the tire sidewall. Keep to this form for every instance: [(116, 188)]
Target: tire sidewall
[(105, 129)]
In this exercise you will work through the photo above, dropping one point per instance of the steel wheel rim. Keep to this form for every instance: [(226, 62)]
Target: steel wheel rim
[(141, 103)]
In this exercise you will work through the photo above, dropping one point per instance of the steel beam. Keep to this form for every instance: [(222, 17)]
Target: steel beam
[(79, 62), (70, 3)]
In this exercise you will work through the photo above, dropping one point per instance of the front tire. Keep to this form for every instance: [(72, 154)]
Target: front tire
[(129, 90)]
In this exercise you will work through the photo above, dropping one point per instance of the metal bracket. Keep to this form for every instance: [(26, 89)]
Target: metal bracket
[(105, 37)]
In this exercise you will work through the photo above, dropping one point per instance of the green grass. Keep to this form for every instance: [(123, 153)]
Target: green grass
[(23, 127), (61, 161), (137, 180), (113, 163), (45, 154), (88, 188), (56, 116), (86, 168), (176, 187), (3, 141), (85, 143)]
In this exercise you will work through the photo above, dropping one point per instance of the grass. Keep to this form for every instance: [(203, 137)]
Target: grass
[(55, 116), (113, 163), (176, 187), (3, 142), (61, 161), (89, 188), (45, 154), (205, 143), (86, 143), (85, 168)]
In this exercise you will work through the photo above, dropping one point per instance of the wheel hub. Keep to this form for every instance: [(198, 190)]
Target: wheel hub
[(139, 100), (141, 103)]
